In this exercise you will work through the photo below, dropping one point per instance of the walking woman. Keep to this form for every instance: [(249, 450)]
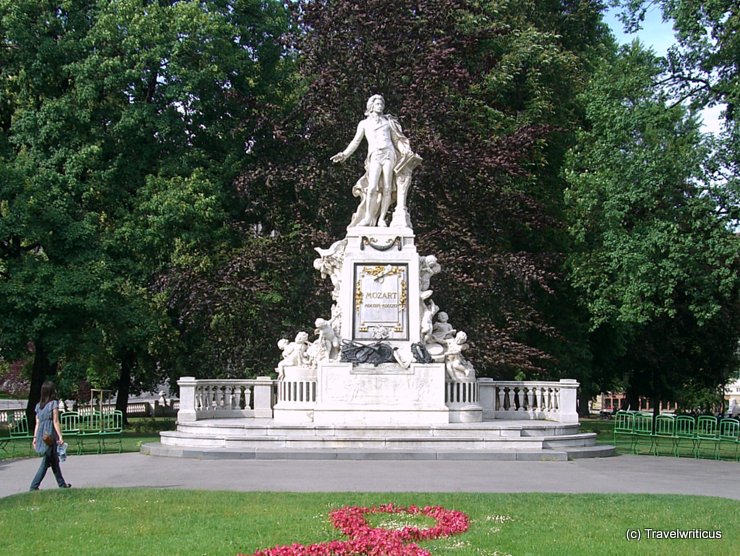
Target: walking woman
[(47, 435)]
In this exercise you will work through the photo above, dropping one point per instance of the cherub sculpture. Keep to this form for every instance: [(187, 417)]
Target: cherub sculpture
[(456, 365), (329, 343), (294, 353)]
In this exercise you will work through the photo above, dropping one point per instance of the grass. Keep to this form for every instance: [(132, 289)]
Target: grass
[(138, 521)]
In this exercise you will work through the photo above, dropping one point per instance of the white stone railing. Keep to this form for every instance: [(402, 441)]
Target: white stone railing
[(520, 400), (297, 392), (151, 408), (228, 398), (10, 415), (461, 393), (555, 400)]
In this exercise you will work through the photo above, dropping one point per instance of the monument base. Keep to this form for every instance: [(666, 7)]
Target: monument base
[(386, 394)]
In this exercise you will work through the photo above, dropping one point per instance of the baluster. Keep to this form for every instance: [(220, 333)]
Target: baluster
[(236, 397), (211, 398), (500, 397), (207, 398), (538, 397), (530, 399)]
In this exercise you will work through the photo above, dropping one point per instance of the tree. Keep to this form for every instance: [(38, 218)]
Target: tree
[(123, 124), (480, 89), (702, 68), (654, 264)]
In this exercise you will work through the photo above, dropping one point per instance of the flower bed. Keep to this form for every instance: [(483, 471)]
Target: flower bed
[(365, 540)]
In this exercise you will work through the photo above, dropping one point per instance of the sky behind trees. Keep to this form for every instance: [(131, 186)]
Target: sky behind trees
[(658, 35)]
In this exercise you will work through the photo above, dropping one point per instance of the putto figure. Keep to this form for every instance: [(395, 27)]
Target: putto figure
[(388, 167)]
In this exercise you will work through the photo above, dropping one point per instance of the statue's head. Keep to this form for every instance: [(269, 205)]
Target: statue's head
[(461, 337), (442, 316), (283, 343), (371, 103), (301, 337)]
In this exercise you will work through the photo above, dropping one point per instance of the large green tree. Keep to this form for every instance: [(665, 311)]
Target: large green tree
[(655, 263), (122, 126)]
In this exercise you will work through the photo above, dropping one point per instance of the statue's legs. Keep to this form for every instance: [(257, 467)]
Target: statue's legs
[(371, 195), (385, 202)]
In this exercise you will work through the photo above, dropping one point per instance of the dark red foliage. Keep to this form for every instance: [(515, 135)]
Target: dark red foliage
[(480, 201)]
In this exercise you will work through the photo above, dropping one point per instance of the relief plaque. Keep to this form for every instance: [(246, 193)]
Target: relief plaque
[(381, 305)]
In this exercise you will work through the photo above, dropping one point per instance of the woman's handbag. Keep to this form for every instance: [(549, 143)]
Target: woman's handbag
[(48, 439)]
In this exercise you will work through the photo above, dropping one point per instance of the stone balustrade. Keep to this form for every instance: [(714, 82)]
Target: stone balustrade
[(519, 400), (461, 393), (301, 392), (525, 400), (228, 398)]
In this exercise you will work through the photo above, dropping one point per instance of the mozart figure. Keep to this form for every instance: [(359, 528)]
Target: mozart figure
[(388, 167)]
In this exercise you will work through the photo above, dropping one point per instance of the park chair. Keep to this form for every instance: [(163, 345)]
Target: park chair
[(728, 434), (624, 425), (112, 429), (19, 432), (70, 422), (665, 430), (90, 428), (684, 432), (706, 431), (643, 431)]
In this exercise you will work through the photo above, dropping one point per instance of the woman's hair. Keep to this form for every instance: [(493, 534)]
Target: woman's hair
[(48, 393), (370, 102)]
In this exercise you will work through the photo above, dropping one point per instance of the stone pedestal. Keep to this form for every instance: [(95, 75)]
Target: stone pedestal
[(379, 295), (386, 394), (296, 395)]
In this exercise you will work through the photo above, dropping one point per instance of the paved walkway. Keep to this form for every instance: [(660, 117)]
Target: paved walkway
[(622, 474)]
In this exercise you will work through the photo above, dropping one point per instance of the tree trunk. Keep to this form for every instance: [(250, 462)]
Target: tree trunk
[(583, 400), (124, 383), (633, 400), (40, 371)]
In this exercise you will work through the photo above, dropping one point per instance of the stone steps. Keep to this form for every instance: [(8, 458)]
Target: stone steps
[(265, 439), (157, 449)]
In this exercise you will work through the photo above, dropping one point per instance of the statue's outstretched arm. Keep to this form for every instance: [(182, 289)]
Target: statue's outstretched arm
[(352, 147)]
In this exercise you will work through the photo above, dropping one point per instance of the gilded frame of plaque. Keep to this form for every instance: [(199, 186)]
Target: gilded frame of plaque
[(380, 302)]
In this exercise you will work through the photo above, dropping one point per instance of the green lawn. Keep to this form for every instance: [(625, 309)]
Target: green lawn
[(142, 521)]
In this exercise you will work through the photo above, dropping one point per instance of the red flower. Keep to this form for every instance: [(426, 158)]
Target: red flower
[(365, 540)]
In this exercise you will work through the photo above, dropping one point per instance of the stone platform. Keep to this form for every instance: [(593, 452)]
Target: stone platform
[(266, 439)]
